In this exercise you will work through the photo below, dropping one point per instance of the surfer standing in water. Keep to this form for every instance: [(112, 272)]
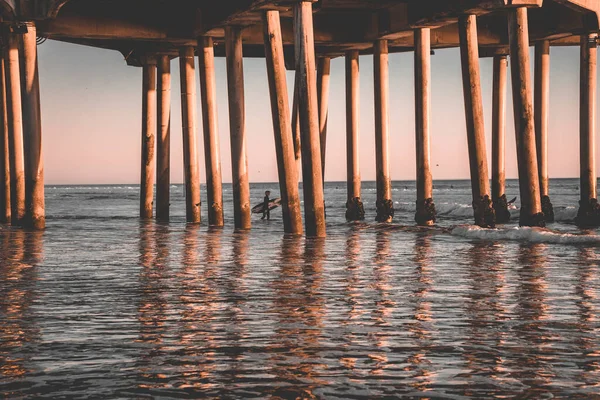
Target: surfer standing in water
[(266, 211)]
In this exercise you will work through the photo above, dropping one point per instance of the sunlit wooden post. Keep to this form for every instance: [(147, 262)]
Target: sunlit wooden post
[(425, 214), (212, 158), (148, 137), (296, 130), (323, 74), (15, 129), (237, 126), (482, 204), (314, 207), (385, 205), (354, 207), (499, 140), (163, 142), (190, 146), (542, 106), (529, 185), (589, 210), (4, 149), (282, 129)]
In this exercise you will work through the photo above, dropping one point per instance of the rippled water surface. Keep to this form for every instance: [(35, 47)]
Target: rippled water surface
[(103, 305)]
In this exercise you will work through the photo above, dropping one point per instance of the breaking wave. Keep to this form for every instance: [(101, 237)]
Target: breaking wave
[(535, 235)]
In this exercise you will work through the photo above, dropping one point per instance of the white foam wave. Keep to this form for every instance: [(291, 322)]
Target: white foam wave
[(565, 214), (535, 235)]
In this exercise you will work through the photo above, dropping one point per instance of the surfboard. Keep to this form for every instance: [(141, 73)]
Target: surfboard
[(274, 203)]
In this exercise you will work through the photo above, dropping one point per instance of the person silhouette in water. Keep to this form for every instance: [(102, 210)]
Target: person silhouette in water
[(266, 211)]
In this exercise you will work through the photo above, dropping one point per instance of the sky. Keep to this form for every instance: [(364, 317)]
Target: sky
[(92, 101)]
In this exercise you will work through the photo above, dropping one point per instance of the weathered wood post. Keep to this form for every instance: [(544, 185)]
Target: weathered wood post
[(4, 149), (163, 142), (480, 186), (282, 129), (385, 205), (148, 137), (529, 185), (314, 206), (323, 75), (35, 214), (296, 130), (237, 126), (499, 139), (212, 158), (188, 117), (354, 207), (589, 209), (542, 106), (425, 214), (15, 129)]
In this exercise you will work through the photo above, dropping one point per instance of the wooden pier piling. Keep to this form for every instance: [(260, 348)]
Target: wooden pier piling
[(354, 207), (296, 130), (163, 142), (237, 126), (212, 158), (385, 205), (4, 150), (312, 179), (188, 117), (589, 209), (482, 204), (15, 129), (282, 129), (148, 137), (323, 75), (425, 214), (500, 202), (529, 186), (541, 112)]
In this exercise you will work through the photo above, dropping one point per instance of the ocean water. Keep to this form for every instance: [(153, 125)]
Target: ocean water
[(102, 305)]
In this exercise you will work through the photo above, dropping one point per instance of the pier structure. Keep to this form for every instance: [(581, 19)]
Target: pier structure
[(305, 35)]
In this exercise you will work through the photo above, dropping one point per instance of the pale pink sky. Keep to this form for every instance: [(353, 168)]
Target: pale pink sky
[(91, 114)]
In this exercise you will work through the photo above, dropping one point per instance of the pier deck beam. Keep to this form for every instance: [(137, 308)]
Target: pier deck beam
[(425, 214), (212, 159), (15, 129), (4, 150), (163, 142), (589, 209), (323, 75), (237, 126), (482, 204), (542, 105), (190, 152), (148, 137), (385, 205), (35, 214), (314, 206), (499, 140), (529, 186), (354, 207), (282, 128)]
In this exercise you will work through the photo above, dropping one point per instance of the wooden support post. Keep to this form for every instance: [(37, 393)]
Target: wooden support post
[(480, 185), (354, 207), (15, 130), (323, 73), (589, 210), (385, 205), (148, 137), (499, 139), (314, 207), (212, 159), (282, 129), (529, 185), (4, 150), (296, 129), (542, 105), (237, 126), (163, 142), (35, 214), (425, 214), (188, 117)]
